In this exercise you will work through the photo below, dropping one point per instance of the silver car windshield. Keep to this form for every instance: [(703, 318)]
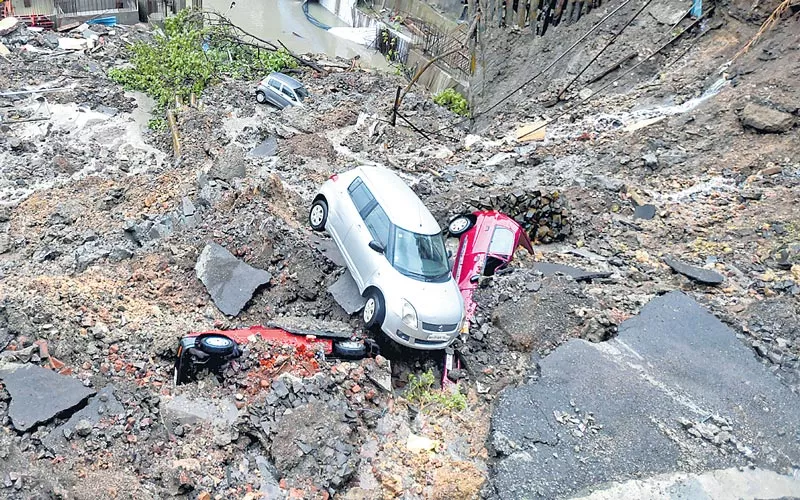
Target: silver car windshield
[(420, 256)]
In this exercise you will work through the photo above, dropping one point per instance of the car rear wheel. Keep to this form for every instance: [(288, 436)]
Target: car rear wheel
[(318, 215), (349, 349), (261, 97), (459, 225), (374, 310), (218, 345)]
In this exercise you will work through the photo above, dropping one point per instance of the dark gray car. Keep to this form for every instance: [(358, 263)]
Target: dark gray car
[(281, 90)]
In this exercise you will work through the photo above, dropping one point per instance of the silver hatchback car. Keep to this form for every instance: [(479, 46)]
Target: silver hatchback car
[(281, 91), (395, 251)]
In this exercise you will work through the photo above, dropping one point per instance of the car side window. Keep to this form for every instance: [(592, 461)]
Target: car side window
[(378, 224), (275, 84), (288, 93), (361, 196)]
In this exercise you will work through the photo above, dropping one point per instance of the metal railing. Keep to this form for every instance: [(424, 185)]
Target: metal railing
[(93, 6)]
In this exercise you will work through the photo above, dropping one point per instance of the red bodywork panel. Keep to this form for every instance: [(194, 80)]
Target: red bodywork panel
[(486, 247), (278, 335)]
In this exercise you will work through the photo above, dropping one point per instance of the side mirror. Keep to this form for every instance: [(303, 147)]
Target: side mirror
[(376, 245)]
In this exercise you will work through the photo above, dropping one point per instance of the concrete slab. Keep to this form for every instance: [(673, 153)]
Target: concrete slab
[(705, 276), (329, 249), (103, 405), (676, 390), (268, 147), (183, 410), (38, 394), (230, 281), (549, 269), (345, 293)]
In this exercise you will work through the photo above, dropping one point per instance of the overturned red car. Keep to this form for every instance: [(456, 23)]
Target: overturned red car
[(213, 349), (487, 243)]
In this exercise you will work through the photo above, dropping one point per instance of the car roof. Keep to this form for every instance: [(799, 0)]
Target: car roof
[(401, 205), (286, 80)]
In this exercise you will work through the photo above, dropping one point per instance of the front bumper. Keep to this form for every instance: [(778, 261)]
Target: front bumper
[(415, 338)]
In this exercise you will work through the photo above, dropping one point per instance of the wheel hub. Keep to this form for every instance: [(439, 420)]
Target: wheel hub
[(458, 225), (316, 215), (369, 310)]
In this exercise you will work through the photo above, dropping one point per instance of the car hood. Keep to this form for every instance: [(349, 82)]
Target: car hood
[(439, 303)]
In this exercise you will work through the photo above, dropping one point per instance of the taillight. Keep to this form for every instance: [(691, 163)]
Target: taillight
[(334, 177)]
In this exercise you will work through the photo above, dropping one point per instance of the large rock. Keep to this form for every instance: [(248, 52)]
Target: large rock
[(38, 394), (766, 119), (229, 166), (676, 389), (230, 281)]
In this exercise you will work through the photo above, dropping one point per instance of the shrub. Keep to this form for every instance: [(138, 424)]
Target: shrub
[(452, 100), (420, 391)]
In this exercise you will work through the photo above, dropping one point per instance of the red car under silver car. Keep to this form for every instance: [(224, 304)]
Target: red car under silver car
[(487, 243)]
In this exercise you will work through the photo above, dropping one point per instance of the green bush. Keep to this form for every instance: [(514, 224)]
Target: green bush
[(175, 64), (452, 100), (420, 391)]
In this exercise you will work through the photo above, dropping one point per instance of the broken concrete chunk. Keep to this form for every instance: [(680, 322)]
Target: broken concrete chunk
[(188, 207), (329, 249), (705, 276), (645, 212), (185, 411), (228, 167), (269, 147), (675, 359), (765, 119), (345, 293), (548, 269), (230, 282), (38, 394), (669, 12), (103, 405), (8, 25)]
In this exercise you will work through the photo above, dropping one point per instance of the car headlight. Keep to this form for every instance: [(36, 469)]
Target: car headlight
[(409, 315)]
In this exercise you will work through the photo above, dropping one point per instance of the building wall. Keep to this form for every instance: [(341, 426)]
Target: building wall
[(31, 7)]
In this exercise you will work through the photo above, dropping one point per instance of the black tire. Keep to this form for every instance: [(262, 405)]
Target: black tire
[(261, 97), (460, 225), (316, 219), (218, 345), (375, 305), (349, 349)]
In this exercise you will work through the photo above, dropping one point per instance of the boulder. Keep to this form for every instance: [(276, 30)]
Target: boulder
[(766, 119), (230, 282)]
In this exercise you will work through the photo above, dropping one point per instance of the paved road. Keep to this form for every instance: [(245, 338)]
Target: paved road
[(674, 391)]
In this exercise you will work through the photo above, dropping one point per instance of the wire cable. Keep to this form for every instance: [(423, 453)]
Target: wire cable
[(537, 75), (608, 44)]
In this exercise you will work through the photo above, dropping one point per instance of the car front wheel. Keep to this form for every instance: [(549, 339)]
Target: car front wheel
[(459, 225), (261, 97), (374, 310), (318, 215)]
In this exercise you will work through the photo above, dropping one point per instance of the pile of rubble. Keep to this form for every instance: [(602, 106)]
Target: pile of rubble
[(545, 216)]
